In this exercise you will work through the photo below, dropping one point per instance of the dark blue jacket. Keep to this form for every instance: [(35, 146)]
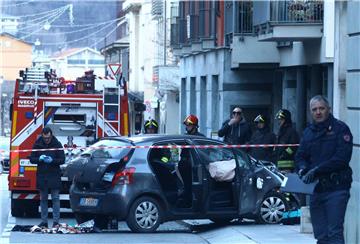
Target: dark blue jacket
[(327, 145), (48, 176)]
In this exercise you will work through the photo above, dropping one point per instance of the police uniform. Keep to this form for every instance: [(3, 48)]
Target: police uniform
[(326, 149)]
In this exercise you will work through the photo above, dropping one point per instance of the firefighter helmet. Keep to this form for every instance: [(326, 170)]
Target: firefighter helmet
[(151, 124), (260, 119), (191, 120), (284, 114)]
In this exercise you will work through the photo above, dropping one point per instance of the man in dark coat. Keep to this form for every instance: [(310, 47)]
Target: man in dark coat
[(262, 135), (236, 130), (48, 174), (324, 154), (286, 135)]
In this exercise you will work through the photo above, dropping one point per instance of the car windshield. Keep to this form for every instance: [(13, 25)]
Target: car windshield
[(102, 149)]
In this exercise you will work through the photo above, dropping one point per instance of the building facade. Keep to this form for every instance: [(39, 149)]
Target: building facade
[(260, 55), (349, 23), (151, 60), (267, 55), (15, 55), (72, 63)]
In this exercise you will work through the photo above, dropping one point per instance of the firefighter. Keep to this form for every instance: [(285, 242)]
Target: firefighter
[(191, 123), (324, 153), (235, 130), (48, 174), (286, 135), (151, 126), (262, 135)]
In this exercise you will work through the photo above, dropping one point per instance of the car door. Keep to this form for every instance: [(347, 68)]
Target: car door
[(185, 169), (247, 193), (210, 152)]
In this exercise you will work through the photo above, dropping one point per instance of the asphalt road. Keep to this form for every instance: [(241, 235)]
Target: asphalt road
[(172, 232), (194, 231)]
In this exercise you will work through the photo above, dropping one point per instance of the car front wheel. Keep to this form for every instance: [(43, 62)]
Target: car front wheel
[(272, 208), (144, 215)]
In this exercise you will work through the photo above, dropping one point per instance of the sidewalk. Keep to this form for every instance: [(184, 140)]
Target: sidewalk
[(248, 233)]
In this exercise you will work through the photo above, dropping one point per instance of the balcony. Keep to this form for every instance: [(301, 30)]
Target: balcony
[(295, 20), (132, 5), (193, 31), (239, 36)]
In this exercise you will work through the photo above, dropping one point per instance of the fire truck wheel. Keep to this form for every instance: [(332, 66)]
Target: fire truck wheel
[(17, 208)]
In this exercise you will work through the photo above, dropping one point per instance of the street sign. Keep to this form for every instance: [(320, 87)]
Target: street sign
[(115, 68)]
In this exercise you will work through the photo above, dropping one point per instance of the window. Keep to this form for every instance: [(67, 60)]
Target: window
[(76, 61), (116, 153), (172, 155), (242, 159), (96, 61), (209, 155)]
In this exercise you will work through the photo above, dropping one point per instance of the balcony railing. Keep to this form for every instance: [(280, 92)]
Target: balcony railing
[(192, 26), (297, 11), (238, 19), (245, 16)]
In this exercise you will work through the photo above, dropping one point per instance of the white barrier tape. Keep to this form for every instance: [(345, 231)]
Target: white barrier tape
[(162, 146)]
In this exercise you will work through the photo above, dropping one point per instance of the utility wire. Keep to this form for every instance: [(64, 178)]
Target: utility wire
[(39, 29), (79, 39), (92, 26), (63, 32), (15, 4)]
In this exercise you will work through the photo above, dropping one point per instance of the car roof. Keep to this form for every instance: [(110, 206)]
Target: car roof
[(153, 138)]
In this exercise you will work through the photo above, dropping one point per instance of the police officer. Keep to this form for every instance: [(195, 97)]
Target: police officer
[(324, 154), (151, 126), (192, 125), (286, 135), (262, 135)]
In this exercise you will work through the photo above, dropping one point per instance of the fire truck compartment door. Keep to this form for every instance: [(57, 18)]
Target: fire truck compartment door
[(71, 119)]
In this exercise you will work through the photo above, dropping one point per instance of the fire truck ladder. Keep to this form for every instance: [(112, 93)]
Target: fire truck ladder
[(36, 76), (111, 110)]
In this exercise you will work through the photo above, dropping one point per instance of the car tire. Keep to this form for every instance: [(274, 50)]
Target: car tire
[(272, 208), (17, 208), (145, 215), (221, 221)]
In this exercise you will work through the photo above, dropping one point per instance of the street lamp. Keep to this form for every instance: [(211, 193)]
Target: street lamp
[(47, 26), (37, 42)]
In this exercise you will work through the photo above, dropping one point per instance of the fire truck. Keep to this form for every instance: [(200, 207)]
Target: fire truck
[(78, 112)]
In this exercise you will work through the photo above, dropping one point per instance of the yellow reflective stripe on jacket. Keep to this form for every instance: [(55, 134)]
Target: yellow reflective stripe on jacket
[(286, 164), (164, 159), (289, 150)]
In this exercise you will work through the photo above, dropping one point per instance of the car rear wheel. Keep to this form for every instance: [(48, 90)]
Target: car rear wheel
[(272, 208), (144, 215)]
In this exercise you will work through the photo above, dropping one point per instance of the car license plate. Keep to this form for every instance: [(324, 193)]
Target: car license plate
[(89, 202)]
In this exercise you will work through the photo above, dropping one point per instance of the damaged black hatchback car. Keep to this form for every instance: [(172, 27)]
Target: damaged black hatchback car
[(148, 180)]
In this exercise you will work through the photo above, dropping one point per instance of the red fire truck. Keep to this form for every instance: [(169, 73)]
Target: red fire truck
[(78, 112)]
